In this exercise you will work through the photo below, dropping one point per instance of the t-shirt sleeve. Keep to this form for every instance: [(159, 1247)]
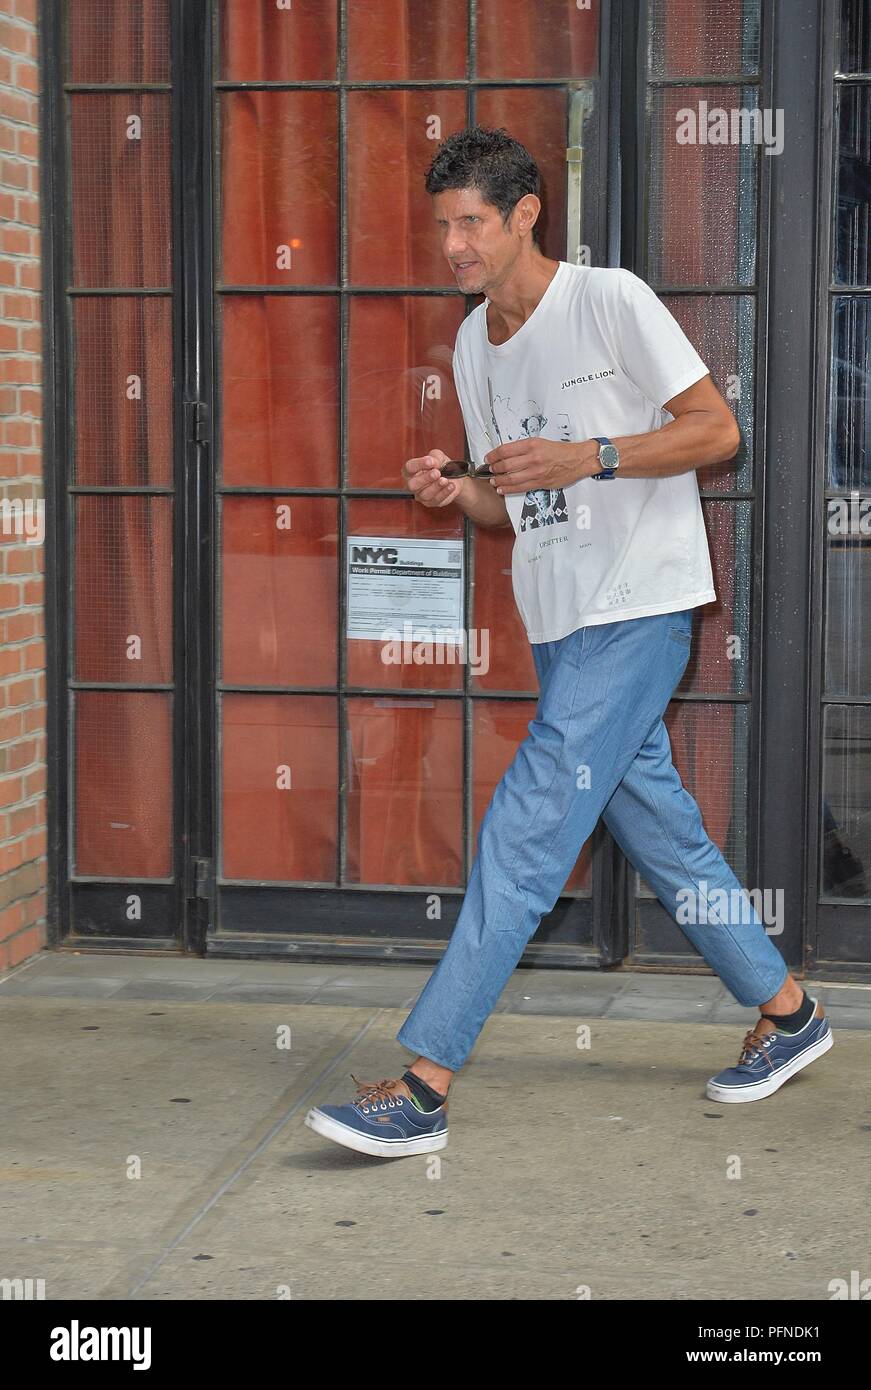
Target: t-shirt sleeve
[(476, 430), (655, 352)]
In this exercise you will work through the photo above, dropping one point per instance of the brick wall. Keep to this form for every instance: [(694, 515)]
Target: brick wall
[(22, 645)]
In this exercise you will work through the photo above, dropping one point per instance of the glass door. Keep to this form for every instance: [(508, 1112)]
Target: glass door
[(841, 874), (698, 248), (350, 782)]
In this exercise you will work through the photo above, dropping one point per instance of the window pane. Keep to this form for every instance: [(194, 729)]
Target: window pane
[(278, 795), (121, 213), (374, 663), (853, 186), (850, 401), (266, 43), (551, 38), (848, 598), (123, 588), (280, 390), (123, 783), (721, 328), (510, 664), (855, 36), (279, 188), (405, 779), (280, 594), (396, 40), (538, 119), (719, 661), (703, 38), (116, 42), (394, 239), (401, 398), (845, 870), (499, 727), (122, 355), (702, 220)]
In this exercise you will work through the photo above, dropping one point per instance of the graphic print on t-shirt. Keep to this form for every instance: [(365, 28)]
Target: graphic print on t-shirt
[(544, 506)]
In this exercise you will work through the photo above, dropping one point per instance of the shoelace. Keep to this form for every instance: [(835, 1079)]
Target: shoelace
[(378, 1091), (752, 1044)]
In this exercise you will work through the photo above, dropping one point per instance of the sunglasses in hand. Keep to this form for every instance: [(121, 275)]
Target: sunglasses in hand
[(463, 468)]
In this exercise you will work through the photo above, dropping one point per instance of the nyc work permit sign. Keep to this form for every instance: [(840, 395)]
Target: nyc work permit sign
[(409, 589)]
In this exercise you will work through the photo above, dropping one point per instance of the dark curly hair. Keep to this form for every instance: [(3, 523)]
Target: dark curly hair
[(492, 161)]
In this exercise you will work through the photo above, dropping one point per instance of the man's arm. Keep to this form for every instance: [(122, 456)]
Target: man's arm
[(474, 496), (703, 432)]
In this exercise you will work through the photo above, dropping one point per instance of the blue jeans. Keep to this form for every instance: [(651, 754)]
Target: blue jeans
[(597, 746)]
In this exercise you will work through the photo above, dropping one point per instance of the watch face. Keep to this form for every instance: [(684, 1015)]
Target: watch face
[(609, 456)]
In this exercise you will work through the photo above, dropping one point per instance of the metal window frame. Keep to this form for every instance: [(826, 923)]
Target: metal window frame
[(839, 929), (84, 911), (645, 915)]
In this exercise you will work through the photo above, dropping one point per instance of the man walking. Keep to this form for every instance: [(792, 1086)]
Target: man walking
[(566, 375)]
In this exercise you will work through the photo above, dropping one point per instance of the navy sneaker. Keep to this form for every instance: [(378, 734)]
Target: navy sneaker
[(383, 1120), (768, 1058)]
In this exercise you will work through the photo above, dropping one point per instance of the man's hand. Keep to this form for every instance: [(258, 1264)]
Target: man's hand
[(528, 465), (423, 478)]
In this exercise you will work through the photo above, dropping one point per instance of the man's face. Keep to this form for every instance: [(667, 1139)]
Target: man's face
[(478, 247)]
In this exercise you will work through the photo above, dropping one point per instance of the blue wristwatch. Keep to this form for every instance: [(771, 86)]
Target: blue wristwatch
[(609, 458)]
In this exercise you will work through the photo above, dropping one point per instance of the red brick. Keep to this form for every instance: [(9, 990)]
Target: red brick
[(19, 626), (34, 846), (18, 369), (10, 661), (21, 755), (29, 275), (27, 210), (11, 919), (19, 433), (23, 818), (34, 718), (18, 306), (34, 656), (34, 782), (26, 75), (11, 789), (14, 173), (11, 726), (21, 692), (15, 241), (13, 37), (26, 944), (25, 9), (14, 107), (21, 559)]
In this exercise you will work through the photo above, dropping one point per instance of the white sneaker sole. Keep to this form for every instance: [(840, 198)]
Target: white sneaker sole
[(758, 1089), (382, 1148)]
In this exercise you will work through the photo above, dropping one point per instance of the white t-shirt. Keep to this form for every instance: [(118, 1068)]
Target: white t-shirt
[(598, 356)]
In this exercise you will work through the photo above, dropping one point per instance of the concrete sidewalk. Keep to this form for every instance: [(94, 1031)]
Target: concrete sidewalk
[(601, 1168)]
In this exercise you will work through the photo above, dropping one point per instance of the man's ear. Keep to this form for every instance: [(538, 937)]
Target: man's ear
[(527, 210)]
